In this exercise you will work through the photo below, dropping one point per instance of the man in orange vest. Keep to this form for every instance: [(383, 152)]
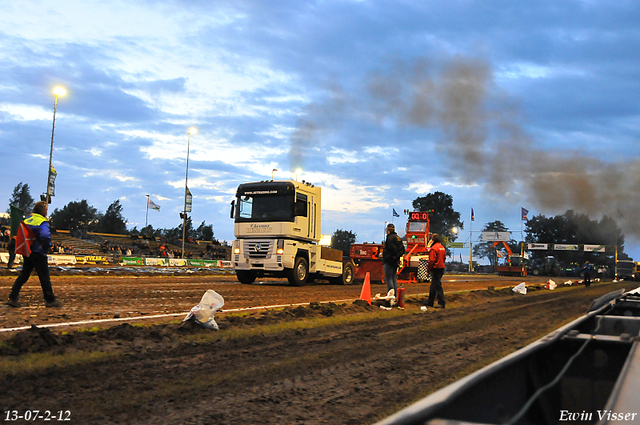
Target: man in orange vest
[(39, 225), (437, 254)]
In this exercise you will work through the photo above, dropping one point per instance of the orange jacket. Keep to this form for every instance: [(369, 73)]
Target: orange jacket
[(437, 254)]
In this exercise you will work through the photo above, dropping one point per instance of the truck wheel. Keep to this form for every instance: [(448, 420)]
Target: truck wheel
[(245, 276), (298, 276), (536, 272), (348, 274)]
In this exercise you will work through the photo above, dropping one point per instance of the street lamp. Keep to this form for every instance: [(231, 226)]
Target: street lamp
[(454, 231), (57, 91), (191, 131)]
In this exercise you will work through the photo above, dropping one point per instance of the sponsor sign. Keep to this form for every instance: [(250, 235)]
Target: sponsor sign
[(563, 247), (155, 262), (456, 244), (594, 248), (91, 259), (496, 236), (226, 264), (133, 261), (4, 258), (538, 246), (177, 262), (61, 259)]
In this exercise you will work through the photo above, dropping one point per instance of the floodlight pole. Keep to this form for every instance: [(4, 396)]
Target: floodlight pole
[(53, 130), (186, 189), (146, 217)]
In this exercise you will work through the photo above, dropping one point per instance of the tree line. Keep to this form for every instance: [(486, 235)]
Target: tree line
[(80, 218)]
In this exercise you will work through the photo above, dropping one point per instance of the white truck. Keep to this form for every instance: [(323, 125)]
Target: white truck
[(277, 230)]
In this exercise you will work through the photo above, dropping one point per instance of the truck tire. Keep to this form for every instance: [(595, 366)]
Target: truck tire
[(348, 274), (245, 276), (535, 272), (298, 276)]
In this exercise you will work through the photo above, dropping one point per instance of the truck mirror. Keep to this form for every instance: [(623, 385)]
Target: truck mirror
[(233, 204)]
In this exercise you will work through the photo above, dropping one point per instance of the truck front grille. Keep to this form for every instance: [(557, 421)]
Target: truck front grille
[(258, 248)]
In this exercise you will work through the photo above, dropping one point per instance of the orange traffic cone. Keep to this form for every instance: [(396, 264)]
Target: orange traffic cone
[(366, 289)]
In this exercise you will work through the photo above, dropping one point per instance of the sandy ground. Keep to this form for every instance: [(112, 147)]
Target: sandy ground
[(343, 362)]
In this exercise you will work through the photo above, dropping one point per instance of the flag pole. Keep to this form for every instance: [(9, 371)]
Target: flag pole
[(146, 217), (471, 241)]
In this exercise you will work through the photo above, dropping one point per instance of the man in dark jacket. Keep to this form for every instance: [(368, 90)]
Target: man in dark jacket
[(588, 270), (38, 258), (393, 250), (437, 254)]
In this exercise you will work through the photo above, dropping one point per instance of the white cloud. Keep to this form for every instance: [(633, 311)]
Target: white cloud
[(109, 174), (420, 187), (341, 156), (19, 112)]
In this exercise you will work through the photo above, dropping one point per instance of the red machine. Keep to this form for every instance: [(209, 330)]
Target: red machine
[(512, 268), (367, 257)]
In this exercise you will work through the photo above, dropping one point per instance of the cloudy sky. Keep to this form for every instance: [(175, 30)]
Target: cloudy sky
[(500, 104)]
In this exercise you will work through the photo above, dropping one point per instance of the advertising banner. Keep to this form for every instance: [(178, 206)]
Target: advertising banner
[(226, 264), (91, 259), (177, 262), (496, 236), (61, 259), (155, 262), (4, 258), (204, 263), (594, 248), (133, 261), (538, 246), (456, 244), (563, 247)]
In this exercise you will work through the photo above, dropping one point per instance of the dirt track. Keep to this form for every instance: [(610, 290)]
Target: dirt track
[(338, 363)]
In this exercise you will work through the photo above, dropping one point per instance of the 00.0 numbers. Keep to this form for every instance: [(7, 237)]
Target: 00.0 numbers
[(33, 415)]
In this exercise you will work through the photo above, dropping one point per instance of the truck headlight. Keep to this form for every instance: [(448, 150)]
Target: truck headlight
[(236, 250), (280, 249)]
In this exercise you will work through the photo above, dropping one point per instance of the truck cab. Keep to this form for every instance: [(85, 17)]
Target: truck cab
[(277, 230)]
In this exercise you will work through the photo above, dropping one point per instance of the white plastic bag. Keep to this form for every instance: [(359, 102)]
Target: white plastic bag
[(520, 289), (203, 312), (551, 285)]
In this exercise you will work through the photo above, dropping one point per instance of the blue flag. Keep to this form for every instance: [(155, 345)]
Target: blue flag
[(395, 214), (473, 217), (524, 213)]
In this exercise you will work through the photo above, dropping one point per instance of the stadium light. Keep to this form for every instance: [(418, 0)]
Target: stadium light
[(191, 131), (57, 91)]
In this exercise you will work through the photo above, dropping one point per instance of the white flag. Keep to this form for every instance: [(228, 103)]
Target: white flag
[(153, 205)]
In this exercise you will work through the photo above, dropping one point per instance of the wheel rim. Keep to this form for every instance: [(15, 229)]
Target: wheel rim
[(348, 275), (301, 272)]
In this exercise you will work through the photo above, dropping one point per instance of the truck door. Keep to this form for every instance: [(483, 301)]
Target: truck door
[(302, 214)]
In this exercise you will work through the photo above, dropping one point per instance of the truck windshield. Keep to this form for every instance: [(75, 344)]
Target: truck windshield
[(265, 208)]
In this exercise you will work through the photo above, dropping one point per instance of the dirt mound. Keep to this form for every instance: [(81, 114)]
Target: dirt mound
[(124, 336), (35, 340)]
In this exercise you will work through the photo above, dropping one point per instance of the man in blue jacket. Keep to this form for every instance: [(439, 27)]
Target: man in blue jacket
[(38, 258)]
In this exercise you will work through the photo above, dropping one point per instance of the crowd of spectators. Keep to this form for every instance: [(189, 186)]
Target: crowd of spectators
[(59, 248), (109, 248), (5, 236)]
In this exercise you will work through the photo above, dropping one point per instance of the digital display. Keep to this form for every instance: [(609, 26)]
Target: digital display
[(419, 216)]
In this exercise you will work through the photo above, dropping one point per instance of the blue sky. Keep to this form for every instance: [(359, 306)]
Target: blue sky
[(500, 104)]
